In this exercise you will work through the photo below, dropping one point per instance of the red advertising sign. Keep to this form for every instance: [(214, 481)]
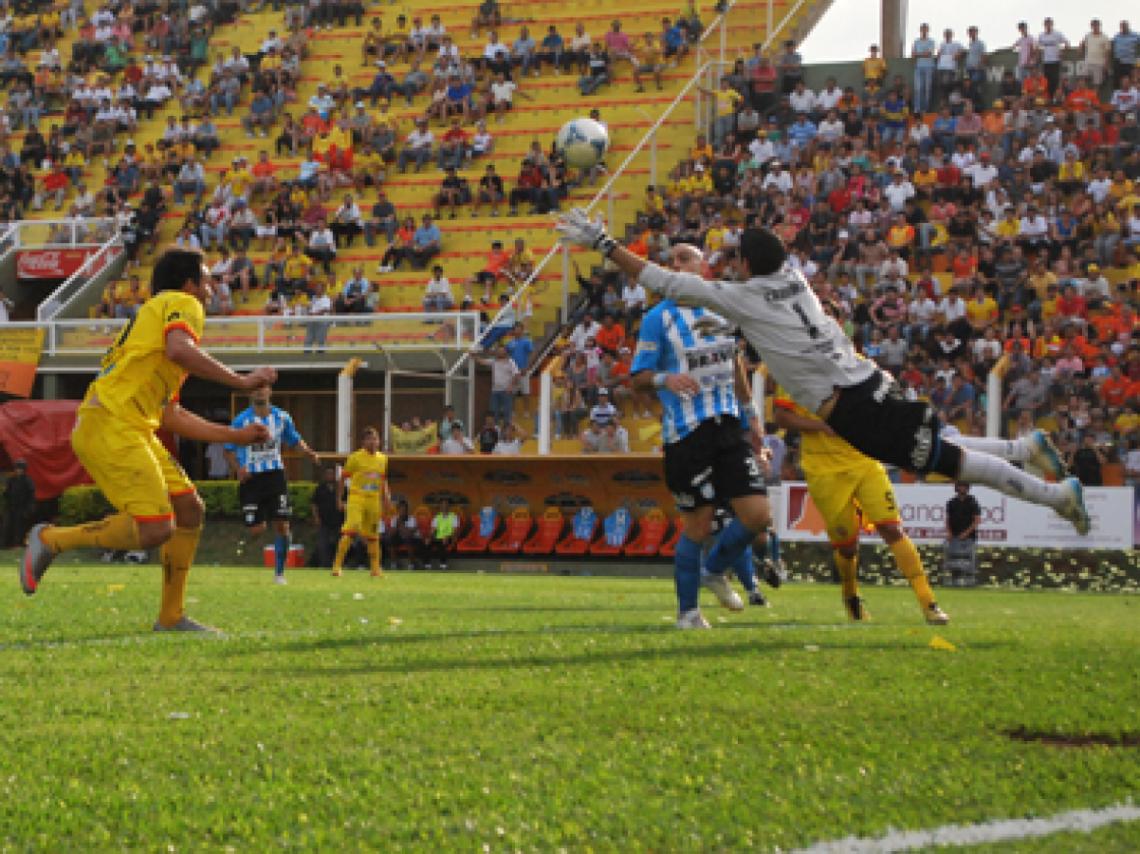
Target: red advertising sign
[(51, 263)]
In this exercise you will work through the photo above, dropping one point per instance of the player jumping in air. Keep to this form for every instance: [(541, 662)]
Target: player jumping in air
[(807, 353), (688, 355), (263, 491), (366, 471), (135, 393)]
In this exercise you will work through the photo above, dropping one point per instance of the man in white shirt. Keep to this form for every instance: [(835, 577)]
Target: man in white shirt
[(828, 97), (456, 444), (1050, 43), (802, 100), (437, 294), (1034, 228), (1097, 50), (418, 147), (952, 307), (899, 191), (982, 172), (921, 313), (633, 298), (586, 328), (316, 331), (947, 63), (1026, 49)]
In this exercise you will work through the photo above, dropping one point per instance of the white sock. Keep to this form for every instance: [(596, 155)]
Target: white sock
[(996, 473), (1014, 450)]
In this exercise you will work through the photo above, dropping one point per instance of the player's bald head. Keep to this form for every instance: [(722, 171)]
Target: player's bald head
[(762, 250), (687, 258)]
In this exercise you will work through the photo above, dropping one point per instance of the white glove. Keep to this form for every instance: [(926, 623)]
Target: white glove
[(576, 227)]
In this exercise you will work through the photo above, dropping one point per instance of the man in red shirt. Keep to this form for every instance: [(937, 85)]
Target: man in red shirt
[(1071, 304), (611, 336), (493, 269)]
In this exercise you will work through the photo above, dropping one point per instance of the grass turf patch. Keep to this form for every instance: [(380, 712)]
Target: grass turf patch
[(449, 712)]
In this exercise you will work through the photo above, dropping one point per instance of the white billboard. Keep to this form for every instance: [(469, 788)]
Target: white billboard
[(1005, 521)]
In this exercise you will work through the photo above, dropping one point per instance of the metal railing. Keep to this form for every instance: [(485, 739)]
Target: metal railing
[(69, 232), (300, 336), (649, 138), (99, 268)]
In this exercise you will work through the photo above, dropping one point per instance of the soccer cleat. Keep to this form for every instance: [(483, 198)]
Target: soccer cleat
[(757, 598), (36, 560), (935, 616), (769, 571), (856, 611), (718, 584), (1074, 509), (336, 573), (1044, 456), (692, 619), (378, 573), (187, 625), (279, 579)]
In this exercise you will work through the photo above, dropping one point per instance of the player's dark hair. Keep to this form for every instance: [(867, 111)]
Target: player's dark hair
[(369, 431), (173, 268), (763, 251)]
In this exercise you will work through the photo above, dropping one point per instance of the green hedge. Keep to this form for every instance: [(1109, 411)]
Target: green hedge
[(86, 503)]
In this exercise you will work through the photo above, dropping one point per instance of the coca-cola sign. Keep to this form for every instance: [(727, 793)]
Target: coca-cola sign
[(51, 263)]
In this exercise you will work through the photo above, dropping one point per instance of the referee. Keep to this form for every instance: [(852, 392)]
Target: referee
[(263, 491), (809, 355)]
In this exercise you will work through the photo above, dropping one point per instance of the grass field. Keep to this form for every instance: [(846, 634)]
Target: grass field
[(487, 712)]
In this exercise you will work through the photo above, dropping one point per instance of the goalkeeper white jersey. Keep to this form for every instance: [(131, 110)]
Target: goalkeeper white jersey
[(805, 350)]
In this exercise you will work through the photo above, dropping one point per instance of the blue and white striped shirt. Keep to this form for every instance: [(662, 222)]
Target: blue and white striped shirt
[(265, 456), (678, 339)]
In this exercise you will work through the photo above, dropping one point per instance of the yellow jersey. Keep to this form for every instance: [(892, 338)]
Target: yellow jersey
[(821, 453), (137, 380), (366, 473)]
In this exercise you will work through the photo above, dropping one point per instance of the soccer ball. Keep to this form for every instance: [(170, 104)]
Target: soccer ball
[(583, 142)]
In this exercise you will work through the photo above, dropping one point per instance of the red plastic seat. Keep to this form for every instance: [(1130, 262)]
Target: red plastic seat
[(616, 530), (582, 532), (546, 534), (669, 547), (475, 542), (651, 533), (514, 533)]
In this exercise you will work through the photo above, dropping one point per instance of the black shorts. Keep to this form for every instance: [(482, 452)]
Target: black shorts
[(712, 465), (878, 420), (264, 497)]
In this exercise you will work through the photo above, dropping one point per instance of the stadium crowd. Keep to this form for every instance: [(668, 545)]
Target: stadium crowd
[(956, 229), (956, 223)]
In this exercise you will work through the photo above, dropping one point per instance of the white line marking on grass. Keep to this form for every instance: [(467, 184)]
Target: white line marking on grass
[(999, 830)]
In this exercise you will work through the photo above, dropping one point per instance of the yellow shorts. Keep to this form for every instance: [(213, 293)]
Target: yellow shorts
[(362, 518), (840, 495), (134, 470)]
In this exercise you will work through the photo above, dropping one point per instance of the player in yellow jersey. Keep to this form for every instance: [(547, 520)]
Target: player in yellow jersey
[(366, 471), (837, 477), (136, 393)]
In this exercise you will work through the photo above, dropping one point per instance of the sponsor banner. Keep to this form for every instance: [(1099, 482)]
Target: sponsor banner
[(20, 351), (1005, 521), (52, 263)]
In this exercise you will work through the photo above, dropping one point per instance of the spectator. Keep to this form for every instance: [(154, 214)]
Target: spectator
[(510, 441), (402, 532), (607, 438), (519, 347), (444, 534), (505, 377), (456, 443), (923, 50), (426, 243), (489, 435), (317, 330), (437, 294), (326, 513), (355, 293)]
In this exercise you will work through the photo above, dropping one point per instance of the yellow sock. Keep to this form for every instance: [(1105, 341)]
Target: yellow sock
[(374, 557), (341, 550), (177, 555), (847, 573), (118, 532), (910, 565)]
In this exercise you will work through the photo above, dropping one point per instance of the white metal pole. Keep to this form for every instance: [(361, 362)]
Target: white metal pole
[(993, 404), (544, 397), (565, 282), (771, 21), (344, 412), (470, 396), (759, 387), (723, 35), (610, 207), (388, 409)]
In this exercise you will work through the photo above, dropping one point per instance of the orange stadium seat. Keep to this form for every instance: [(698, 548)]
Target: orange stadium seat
[(652, 528), (669, 547), (582, 531), (483, 530), (546, 534), (515, 532)]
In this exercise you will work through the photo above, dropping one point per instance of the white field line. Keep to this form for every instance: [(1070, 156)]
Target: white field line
[(999, 830)]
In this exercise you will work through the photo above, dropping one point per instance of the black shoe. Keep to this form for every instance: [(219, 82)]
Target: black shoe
[(757, 598), (855, 609), (767, 570)]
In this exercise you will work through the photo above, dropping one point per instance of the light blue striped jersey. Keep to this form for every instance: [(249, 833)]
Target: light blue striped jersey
[(678, 339), (265, 456)]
